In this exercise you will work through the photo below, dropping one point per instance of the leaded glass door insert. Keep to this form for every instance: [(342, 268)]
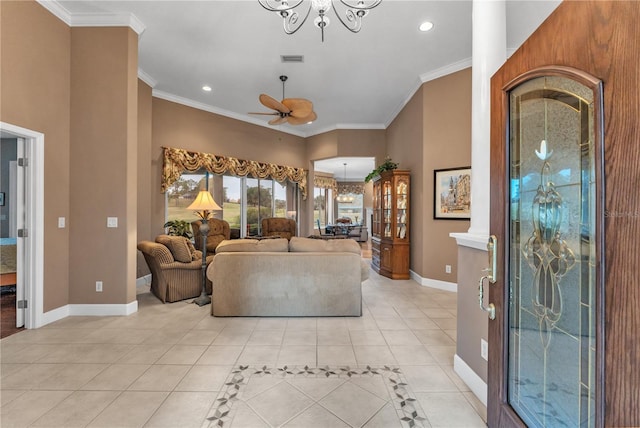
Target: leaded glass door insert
[(552, 276)]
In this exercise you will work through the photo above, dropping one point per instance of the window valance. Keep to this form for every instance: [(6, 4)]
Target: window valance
[(347, 188), (325, 183), (176, 161)]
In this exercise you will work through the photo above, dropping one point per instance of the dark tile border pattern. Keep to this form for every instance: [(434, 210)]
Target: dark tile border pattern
[(410, 414)]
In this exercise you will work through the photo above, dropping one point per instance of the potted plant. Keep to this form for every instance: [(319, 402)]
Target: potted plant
[(179, 228), (387, 165)]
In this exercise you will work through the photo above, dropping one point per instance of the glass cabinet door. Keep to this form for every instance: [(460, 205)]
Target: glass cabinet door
[(402, 212), (386, 208)]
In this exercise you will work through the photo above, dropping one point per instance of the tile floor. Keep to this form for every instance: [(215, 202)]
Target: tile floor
[(174, 365)]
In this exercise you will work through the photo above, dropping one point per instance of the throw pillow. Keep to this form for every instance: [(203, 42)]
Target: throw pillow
[(178, 246), (192, 250)]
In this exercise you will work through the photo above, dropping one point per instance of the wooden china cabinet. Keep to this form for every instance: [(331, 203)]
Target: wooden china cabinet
[(390, 228)]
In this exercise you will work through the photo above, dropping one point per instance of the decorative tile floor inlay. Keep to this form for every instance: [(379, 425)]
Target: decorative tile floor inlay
[(331, 392)]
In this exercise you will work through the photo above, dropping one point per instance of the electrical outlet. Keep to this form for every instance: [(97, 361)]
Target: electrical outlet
[(99, 286), (112, 221), (447, 268), (484, 349), (61, 222)]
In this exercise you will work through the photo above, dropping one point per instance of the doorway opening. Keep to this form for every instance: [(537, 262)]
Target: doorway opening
[(22, 228)]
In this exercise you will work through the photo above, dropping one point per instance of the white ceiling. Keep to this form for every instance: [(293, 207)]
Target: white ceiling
[(356, 169), (356, 81)]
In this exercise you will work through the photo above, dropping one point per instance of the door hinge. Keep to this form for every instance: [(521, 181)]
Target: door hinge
[(22, 304), (23, 233), (23, 162)]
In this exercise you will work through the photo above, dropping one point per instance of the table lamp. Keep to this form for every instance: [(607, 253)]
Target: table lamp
[(203, 204)]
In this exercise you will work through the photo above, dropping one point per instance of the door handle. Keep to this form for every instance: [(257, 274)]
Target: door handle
[(492, 249), (490, 276)]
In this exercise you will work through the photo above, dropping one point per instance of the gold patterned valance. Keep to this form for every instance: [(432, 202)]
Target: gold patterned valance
[(353, 188), (325, 183), (176, 161)]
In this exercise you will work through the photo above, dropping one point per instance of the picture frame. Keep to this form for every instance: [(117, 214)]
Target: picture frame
[(452, 193), (1, 199)]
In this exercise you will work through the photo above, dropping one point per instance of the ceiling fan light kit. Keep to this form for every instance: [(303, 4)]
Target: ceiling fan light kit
[(350, 17), (294, 111)]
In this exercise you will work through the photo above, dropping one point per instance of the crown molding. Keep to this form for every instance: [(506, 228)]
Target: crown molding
[(427, 77), (142, 75), (446, 70), (215, 110), (57, 10), (93, 19)]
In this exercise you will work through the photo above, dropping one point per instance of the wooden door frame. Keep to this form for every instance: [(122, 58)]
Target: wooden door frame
[(499, 412)]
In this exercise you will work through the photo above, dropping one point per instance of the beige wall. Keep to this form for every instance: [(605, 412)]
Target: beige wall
[(38, 98), (176, 125), (473, 326), (145, 176), (433, 131), (80, 88), (104, 132)]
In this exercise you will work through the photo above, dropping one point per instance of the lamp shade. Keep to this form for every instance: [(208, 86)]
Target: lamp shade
[(204, 202)]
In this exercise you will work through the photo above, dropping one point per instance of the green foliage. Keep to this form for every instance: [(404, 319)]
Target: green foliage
[(388, 165), (319, 202), (265, 196), (179, 228), (252, 214)]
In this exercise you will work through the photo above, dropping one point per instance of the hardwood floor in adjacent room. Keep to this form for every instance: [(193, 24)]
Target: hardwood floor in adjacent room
[(8, 312)]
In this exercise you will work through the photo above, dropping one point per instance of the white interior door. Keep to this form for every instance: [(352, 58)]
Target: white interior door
[(18, 210)]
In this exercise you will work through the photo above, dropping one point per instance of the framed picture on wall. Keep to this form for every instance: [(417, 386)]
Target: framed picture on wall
[(452, 193)]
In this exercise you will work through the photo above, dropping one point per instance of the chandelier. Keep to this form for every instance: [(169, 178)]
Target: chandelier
[(292, 20), (345, 199)]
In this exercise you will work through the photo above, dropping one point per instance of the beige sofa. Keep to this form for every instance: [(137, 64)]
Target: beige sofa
[(276, 277)]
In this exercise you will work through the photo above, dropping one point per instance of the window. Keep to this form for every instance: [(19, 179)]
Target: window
[(322, 205), (245, 201), (352, 209), (180, 195), (232, 201)]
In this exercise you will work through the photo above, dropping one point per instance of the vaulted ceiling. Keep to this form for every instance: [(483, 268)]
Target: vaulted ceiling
[(354, 80)]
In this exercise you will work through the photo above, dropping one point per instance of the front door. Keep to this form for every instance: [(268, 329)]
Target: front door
[(545, 341)]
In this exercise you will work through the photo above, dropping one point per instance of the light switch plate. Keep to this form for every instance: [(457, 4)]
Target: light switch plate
[(61, 222), (112, 221)]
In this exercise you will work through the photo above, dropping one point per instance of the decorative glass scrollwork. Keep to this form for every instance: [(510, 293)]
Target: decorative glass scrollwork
[(546, 252)]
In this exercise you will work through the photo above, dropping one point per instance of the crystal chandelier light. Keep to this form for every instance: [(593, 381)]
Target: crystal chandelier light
[(345, 198), (350, 17)]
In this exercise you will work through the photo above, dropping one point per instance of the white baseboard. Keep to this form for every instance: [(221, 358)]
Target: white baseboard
[(473, 381), (143, 280), (434, 283), (55, 315), (89, 310)]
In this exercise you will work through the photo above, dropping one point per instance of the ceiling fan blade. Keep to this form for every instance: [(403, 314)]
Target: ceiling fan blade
[(274, 104), (267, 114), (299, 107), (278, 120), (302, 120)]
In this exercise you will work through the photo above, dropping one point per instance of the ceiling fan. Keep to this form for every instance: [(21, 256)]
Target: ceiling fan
[(294, 111)]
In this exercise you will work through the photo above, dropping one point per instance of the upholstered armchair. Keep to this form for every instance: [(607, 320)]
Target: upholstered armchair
[(176, 268), (279, 226), (219, 230)]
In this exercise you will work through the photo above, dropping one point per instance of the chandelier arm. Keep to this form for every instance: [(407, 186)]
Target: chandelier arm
[(353, 22), (290, 22), (277, 7), (361, 5)]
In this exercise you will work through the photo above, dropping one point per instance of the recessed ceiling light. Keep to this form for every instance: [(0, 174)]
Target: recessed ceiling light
[(426, 26), (206, 88)]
